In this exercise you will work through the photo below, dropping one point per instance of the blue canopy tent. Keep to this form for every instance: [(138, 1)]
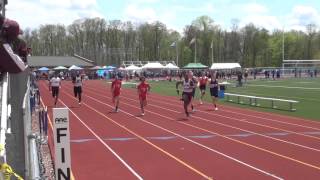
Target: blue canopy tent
[(111, 67), (43, 69)]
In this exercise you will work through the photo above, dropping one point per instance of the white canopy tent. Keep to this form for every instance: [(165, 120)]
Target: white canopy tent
[(60, 68), (121, 69), (225, 66), (132, 68), (153, 65), (74, 67), (171, 66)]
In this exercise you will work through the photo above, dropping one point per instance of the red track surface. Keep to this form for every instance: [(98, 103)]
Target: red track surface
[(227, 144)]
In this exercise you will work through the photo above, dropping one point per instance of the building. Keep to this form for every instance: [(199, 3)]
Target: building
[(54, 61)]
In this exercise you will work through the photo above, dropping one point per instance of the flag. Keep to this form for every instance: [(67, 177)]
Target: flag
[(211, 45), (173, 44), (193, 40)]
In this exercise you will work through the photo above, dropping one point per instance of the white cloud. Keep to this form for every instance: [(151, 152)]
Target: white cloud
[(147, 14), (254, 8), (258, 15), (204, 8), (144, 1), (134, 13), (138, 12), (262, 21), (81, 4), (301, 16), (32, 13)]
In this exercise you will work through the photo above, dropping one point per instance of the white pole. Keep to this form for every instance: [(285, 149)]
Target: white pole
[(177, 53), (195, 51), (283, 49), (212, 52)]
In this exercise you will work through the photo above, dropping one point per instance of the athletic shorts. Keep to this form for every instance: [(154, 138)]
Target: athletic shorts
[(187, 96), (55, 91), (116, 93), (214, 92), (202, 87), (143, 97), (77, 89)]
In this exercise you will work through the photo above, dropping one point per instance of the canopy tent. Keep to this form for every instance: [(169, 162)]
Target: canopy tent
[(153, 65), (171, 66), (195, 66), (96, 68), (218, 66), (110, 67), (74, 67), (60, 68), (132, 68), (43, 69)]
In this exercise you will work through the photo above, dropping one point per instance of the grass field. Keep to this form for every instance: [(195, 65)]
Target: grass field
[(306, 91)]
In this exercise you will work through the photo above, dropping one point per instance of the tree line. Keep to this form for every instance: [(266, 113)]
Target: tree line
[(114, 41)]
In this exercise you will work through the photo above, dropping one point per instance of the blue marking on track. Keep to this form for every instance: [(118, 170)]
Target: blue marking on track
[(120, 139), (241, 135), (277, 134), (202, 137), (315, 133), (81, 140), (164, 138)]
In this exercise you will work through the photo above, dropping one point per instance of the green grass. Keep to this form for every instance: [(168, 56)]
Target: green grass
[(309, 99)]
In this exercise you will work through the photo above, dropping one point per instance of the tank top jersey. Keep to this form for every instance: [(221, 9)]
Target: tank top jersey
[(213, 84), (78, 82), (188, 86)]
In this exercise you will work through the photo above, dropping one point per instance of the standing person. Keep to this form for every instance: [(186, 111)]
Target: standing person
[(214, 89), (246, 76), (273, 74), (116, 90), (278, 73), (202, 86), (77, 87), (143, 89), (239, 79), (55, 84), (188, 86)]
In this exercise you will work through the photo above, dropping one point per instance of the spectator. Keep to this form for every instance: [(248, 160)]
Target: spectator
[(266, 74), (278, 73), (255, 73), (273, 74), (245, 76), (239, 79)]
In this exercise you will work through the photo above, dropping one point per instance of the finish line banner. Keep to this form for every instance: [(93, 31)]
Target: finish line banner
[(62, 144)]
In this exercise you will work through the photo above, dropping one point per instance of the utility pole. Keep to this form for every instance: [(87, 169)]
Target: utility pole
[(177, 58), (211, 51), (195, 50), (283, 50)]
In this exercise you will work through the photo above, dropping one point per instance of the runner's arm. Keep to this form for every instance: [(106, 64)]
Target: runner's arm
[(177, 86)]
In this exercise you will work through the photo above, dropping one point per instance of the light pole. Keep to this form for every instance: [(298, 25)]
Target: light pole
[(283, 50), (195, 49)]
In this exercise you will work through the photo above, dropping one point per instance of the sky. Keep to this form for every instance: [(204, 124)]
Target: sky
[(176, 14)]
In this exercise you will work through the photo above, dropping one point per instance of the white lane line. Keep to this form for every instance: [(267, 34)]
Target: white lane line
[(194, 142)]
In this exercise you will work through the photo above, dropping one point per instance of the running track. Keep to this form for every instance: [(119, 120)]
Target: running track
[(227, 144)]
